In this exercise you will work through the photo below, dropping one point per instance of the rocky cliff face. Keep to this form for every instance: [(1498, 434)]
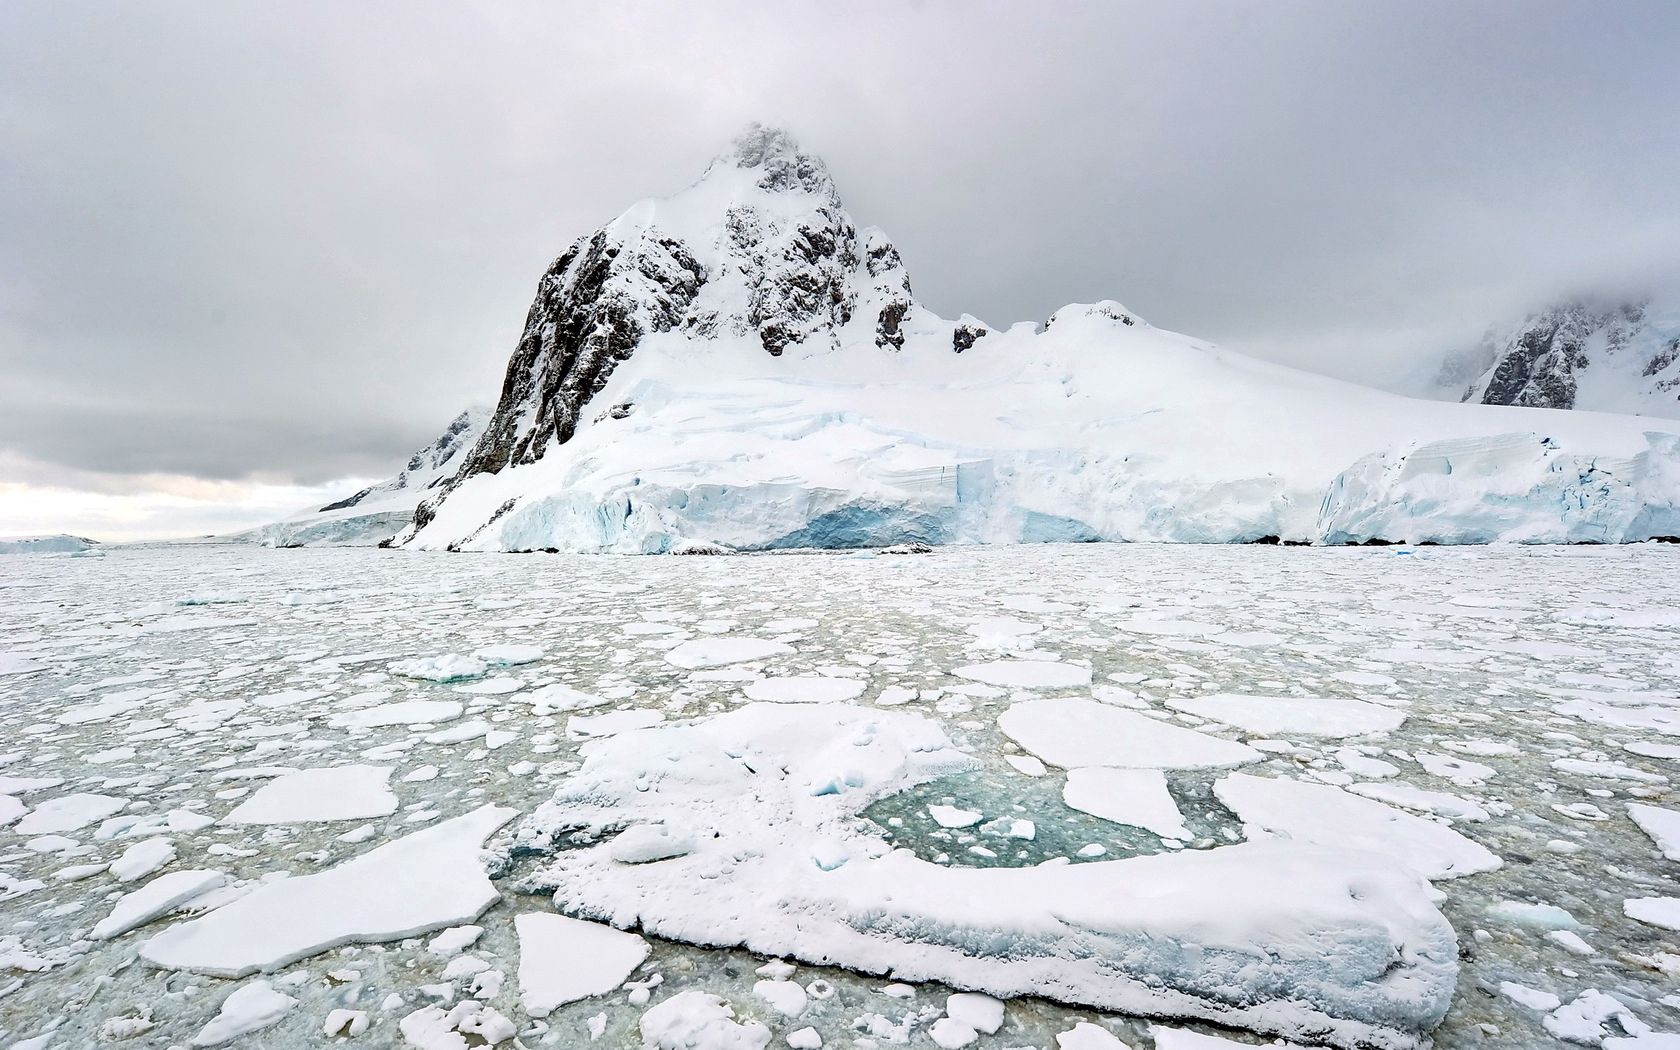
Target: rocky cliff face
[(1582, 354), (760, 247)]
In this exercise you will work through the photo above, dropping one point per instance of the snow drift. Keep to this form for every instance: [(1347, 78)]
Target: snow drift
[(740, 364)]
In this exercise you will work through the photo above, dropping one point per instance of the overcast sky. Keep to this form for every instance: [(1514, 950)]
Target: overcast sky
[(252, 252)]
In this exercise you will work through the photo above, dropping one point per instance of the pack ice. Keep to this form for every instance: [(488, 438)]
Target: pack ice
[(740, 365), (759, 807)]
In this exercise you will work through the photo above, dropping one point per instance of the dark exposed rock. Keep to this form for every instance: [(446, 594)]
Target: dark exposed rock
[(964, 335), (348, 501), (1538, 366), (887, 332)]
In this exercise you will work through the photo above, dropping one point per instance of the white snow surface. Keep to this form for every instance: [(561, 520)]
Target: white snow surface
[(1280, 936)]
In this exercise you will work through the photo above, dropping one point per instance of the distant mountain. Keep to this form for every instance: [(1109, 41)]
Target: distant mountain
[(1580, 354), (742, 365), (59, 544), (376, 513)]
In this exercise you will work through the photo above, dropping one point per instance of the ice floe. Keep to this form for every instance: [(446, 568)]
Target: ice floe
[(1319, 813), (562, 960), (423, 881), (319, 795), (1286, 715), (1078, 732)]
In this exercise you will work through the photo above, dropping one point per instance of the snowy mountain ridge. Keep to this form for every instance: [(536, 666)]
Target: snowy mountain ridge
[(742, 365), (374, 514), (1584, 353)]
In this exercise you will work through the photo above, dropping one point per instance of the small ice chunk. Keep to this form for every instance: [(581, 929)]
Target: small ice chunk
[(1571, 942), (1662, 825), (981, 1012), (320, 796), (447, 668), (143, 858), (1538, 916), (1584, 1019), (1655, 911), (1533, 998), (248, 1008), (1087, 1036), (785, 997), (804, 1039), (158, 897), (1026, 765), (454, 940), (952, 1034), (345, 1023), (694, 1019), (1363, 765), (952, 817), (562, 960), (556, 698)]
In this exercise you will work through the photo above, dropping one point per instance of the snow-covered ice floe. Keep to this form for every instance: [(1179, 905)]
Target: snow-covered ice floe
[(423, 881), (1280, 937)]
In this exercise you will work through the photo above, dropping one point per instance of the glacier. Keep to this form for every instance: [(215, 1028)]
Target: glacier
[(741, 366)]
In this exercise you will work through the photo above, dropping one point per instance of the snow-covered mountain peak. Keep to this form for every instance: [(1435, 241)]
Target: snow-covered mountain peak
[(1596, 352), (780, 163), (760, 250), (1103, 311)]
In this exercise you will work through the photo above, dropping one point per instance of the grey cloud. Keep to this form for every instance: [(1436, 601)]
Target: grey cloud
[(294, 239)]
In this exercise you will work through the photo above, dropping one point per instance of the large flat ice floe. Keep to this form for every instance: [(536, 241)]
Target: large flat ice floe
[(1281, 937), (423, 881), (1320, 813), (1077, 732)]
